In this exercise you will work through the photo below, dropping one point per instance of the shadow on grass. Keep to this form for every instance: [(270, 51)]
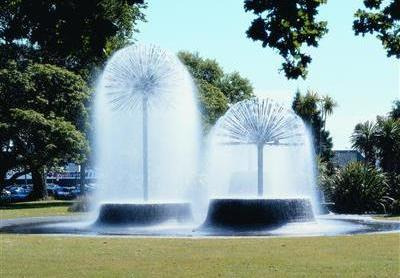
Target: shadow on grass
[(40, 204)]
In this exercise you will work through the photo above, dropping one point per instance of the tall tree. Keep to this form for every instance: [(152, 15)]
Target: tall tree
[(45, 142), (388, 144), (364, 140), (77, 35), (74, 34), (328, 104), (395, 113), (217, 90), (383, 19), (287, 26), (41, 120), (310, 108)]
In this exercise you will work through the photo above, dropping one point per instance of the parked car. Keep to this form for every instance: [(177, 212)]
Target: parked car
[(5, 195), (19, 193), (52, 188), (66, 193)]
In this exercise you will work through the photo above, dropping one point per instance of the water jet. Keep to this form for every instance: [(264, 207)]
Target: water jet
[(251, 125), (146, 113)]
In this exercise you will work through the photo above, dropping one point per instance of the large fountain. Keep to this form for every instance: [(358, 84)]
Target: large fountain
[(147, 138), (237, 167), (255, 176)]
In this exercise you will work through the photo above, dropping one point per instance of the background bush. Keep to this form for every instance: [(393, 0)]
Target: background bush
[(359, 188)]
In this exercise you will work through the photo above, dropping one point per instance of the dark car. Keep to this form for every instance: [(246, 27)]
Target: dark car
[(52, 188), (19, 193), (66, 193)]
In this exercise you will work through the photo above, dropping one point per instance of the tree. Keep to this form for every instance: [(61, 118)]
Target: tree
[(383, 19), (327, 106), (217, 90), (381, 141), (364, 140), (395, 113), (14, 87), (74, 34), (288, 26), (66, 34), (310, 107), (213, 102), (388, 144), (41, 120), (45, 142), (236, 88)]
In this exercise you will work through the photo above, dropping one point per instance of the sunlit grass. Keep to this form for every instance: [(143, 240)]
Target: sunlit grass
[(345, 256), (35, 209)]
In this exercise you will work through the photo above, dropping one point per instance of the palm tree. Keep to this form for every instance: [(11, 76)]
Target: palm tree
[(363, 139), (395, 113), (327, 106), (388, 143), (306, 106)]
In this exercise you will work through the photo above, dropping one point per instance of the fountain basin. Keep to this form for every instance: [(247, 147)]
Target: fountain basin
[(136, 214), (257, 213)]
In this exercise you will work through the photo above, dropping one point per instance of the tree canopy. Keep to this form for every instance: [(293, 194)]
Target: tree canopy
[(41, 117), (217, 89), (287, 26), (74, 34), (313, 109), (395, 113), (383, 19), (43, 45), (363, 139)]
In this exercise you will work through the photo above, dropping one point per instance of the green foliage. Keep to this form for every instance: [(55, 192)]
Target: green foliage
[(395, 113), (314, 109), (388, 144), (364, 140), (380, 142), (74, 34), (383, 19), (324, 178), (288, 26), (235, 87), (213, 102), (45, 141), (359, 188), (217, 90), (42, 117), (202, 69)]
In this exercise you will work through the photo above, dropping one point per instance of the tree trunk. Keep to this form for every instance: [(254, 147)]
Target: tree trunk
[(3, 173), (83, 178), (39, 190)]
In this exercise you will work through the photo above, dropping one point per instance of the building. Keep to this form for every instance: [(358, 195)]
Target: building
[(343, 157), (69, 176)]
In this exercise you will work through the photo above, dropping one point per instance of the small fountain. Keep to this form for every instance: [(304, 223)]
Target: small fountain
[(256, 124), (147, 132)]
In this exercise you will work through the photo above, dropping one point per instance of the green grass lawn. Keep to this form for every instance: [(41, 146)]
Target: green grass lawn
[(346, 256), (34, 209)]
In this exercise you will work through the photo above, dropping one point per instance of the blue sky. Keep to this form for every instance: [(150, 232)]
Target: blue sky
[(355, 71)]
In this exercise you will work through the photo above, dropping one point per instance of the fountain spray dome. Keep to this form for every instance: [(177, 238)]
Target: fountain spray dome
[(141, 72), (148, 110), (259, 123)]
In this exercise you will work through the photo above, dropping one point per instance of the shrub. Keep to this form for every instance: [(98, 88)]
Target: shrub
[(359, 188)]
